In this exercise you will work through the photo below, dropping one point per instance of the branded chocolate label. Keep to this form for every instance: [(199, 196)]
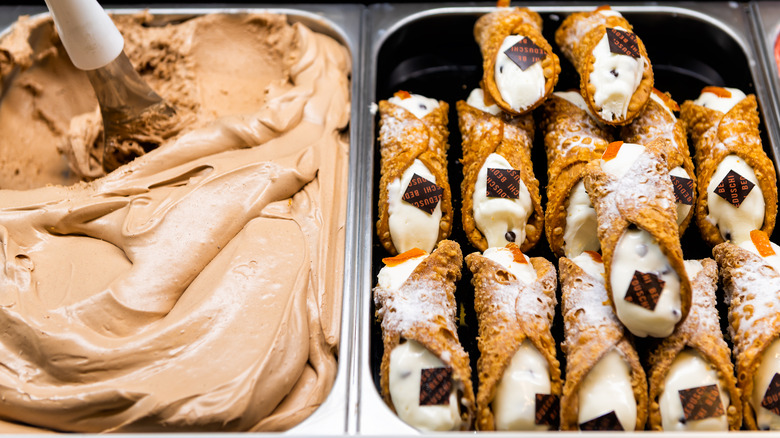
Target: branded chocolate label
[(771, 400), (701, 402), (734, 188), (605, 422), (548, 408), (422, 193), (435, 386), (622, 42), (683, 190), (644, 290), (503, 183), (525, 53)]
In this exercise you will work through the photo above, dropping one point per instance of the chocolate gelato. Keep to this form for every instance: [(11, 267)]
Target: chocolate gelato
[(198, 287)]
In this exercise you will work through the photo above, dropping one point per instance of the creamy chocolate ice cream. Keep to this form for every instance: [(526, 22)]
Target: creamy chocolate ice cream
[(199, 286)]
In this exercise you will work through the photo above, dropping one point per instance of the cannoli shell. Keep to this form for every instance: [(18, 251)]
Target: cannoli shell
[(592, 330), (572, 138), (716, 135), (491, 30), (432, 286), (752, 290), (510, 137), (643, 197), (577, 37), (509, 312), (655, 123), (700, 332), (403, 138)]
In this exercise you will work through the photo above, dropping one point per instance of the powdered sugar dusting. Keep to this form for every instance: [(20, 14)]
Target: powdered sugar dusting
[(416, 301), (646, 182), (416, 133), (582, 26), (533, 303), (658, 123), (522, 300), (754, 300), (587, 296), (703, 316), (394, 127), (576, 139)]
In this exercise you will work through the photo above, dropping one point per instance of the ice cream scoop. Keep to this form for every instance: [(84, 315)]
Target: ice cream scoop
[(132, 112)]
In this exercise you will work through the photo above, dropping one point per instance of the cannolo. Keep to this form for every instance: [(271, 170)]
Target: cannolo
[(616, 76), (750, 274), (737, 183), (572, 138), (519, 374), (692, 385), (415, 202), (519, 67), (501, 201), (633, 197), (606, 387), (658, 122), (425, 373)]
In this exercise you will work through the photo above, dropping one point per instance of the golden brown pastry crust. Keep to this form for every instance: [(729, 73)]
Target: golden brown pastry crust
[(510, 137), (432, 283), (490, 31), (700, 332), (403, 138), (572, 138), (591, 331), (503, 327), (656, 123), (577, 37), (749, 283), (650, 206), (716, 135)]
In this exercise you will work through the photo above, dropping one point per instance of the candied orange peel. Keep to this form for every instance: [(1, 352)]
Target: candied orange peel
[(763, 245), (516, 253), (718, 91), (612, 150), (404, 256), (595, 256), (670, 103), (401, 94)]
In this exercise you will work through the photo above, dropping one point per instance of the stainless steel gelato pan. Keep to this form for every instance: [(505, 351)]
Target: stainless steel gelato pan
[(766, 19), (429, 49), (316, 395)]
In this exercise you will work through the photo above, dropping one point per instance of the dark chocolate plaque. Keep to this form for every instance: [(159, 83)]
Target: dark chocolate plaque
[(683, 190), (771, 400), (548, 409), (435, 386), (644, 290), (525, 53), (622, 42), (503, 183), (422, 193), (701, 402), (734, 188), (607, 421)]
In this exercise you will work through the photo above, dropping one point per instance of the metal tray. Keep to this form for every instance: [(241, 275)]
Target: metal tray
[(430, 49), (343, 23), (766, 19)]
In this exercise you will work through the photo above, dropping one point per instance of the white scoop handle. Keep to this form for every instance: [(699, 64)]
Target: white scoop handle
[(87, 32)]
